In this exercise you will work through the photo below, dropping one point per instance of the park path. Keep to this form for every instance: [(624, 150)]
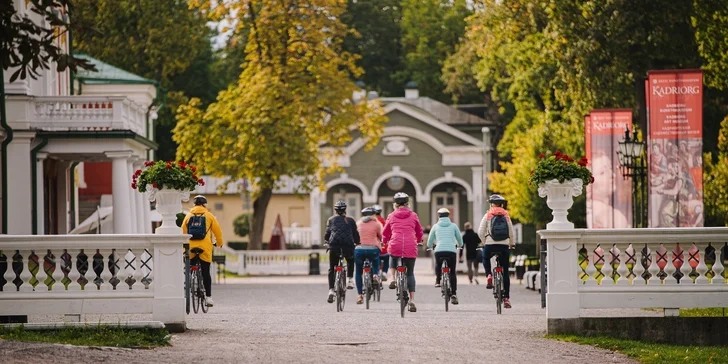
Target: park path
[(287, 320)]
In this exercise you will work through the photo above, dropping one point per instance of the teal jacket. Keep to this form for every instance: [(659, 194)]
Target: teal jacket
[(448, 236)]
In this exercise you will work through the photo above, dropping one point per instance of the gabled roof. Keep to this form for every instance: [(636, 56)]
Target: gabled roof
[(445, 113), (106, 73)]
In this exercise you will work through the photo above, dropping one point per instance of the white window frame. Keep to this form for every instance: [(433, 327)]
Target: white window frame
[(352, 210), (454, 208)]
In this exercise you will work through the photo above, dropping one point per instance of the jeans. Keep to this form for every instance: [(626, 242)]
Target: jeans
[(451, 259), (473, 268), (206, 277), (503, 258), (348, 254), (359, 256), (409, 263), (384, 262)]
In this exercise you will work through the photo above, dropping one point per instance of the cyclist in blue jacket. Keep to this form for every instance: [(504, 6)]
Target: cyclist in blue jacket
[(449, 241)]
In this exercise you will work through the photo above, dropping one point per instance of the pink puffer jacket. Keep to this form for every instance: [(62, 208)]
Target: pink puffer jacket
[(402, 232)]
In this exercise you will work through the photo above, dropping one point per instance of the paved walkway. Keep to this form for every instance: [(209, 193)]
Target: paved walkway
[(287, 320)]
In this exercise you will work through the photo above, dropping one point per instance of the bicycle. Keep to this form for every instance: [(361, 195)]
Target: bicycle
[(197, 288), (340, 283), (499, 291), (445, 288), (369, 283), (402, 294)]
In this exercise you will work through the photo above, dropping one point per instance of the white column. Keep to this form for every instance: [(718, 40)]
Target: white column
[(478, 210), (315, 212), (147, 214), (132, 197), (562, 299), (169, 300), (20, 192), (487, 159), (121, 189), (61, 197), (141, 215), (39, 192)]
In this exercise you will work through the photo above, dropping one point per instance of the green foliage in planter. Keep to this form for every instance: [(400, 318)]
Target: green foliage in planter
[(560, 167), (180, 218), (241, 225), (161, 174)]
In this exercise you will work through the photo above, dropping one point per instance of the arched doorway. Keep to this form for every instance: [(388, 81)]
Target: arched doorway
[(452, 196), (389, 187), (352, 195)]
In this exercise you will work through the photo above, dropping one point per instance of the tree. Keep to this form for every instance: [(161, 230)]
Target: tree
[(29, 45), (290, 101), (241, 225)]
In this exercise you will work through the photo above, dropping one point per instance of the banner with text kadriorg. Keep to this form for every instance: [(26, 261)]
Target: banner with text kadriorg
[(587, 153), (675, 145), (611, 194)]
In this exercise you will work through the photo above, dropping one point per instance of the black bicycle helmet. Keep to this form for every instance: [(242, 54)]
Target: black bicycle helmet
[(401, 198), (367, 211), (340, 206), (377, 209), (200, 200), (443, 212), (497, 199)]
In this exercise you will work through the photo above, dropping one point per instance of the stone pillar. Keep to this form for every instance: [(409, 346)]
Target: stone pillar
[(562, 297), (147, 214), (19, 196), (121, 189), (315, 207), (478, 210), (39, 192), (487, 159), (61, 197), (132, 194), (169, 300), (142, 216)]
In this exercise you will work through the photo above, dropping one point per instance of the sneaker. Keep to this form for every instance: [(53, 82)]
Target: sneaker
[(360, 300), (476, 281), (489, 282), (507, 303), (210, 302), (437, 284), (375, 282), (412, 307), (350, 284), (392, 285), (331, 296), (384, 277), (471, 280), (454, 300)]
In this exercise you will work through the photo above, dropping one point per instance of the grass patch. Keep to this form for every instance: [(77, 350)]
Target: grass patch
[(703, 312), (652, 353), (92, 336)]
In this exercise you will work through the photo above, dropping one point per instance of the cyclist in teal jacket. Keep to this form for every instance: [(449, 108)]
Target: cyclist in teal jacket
[(449, 241)]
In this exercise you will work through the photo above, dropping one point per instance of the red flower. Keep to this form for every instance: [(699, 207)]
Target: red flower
[(201, 182), (133, 185), (592, 179), (558, 153), (583, 161), (567, 158), (138, 172), (194, 176), (154, 185), (182, 164), (169, 166), (540, 156), (193, 168), (148, 163)]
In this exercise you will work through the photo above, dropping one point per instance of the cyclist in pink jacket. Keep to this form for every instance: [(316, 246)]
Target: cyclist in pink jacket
[(402, 233)]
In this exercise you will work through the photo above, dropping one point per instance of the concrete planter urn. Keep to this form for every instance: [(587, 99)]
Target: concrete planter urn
[(168, 204), (560, 198)]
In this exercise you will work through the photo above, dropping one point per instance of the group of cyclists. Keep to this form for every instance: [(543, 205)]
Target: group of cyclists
[(394, 242)]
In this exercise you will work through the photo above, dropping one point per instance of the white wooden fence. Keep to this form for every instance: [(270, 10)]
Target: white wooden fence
[(668, 268), (130, 274), (273, 262)]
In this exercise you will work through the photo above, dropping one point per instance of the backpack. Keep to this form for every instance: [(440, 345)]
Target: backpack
[(499, 228), (197, 227)]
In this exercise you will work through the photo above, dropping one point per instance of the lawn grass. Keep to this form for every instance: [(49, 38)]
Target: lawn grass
[(650, 353), (92, 336), (704, 312)]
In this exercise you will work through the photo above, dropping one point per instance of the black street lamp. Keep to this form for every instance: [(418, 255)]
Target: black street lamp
[(632, 163)]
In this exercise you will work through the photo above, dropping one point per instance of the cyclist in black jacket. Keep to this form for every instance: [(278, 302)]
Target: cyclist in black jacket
[(341, 236)]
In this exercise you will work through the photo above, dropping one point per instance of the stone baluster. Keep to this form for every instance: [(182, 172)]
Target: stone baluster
[(58, 273), (107, 259), (590, 270), (670, 268), (702, 269), (137, 274), (41, 276), (149, 262), (638, 269), (685, 268), (622, 268), (9, 273), (654, 270), (718, 268), (26, 275), (90, 274), (607, 269), (74, 274)]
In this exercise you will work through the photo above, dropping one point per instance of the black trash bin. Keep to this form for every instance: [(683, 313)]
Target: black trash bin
[(313, 264)]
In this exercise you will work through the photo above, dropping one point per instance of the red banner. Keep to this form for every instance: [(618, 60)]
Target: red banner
[(588, 154), (611, 194), (675, 165)]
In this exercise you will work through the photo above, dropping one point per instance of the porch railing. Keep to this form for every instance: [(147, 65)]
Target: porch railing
[(93, 274), (87, 113), (302, 236), (272, 262), (668, 268)]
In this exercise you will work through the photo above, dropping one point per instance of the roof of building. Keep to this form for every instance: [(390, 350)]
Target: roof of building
[(106, 73), (445, 113)]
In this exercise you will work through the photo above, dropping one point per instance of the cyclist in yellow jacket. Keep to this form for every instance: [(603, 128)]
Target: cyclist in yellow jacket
[(205, 243)]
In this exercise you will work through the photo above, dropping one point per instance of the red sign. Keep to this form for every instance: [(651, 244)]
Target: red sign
[(587, 153), (676, 104), (611, 195)]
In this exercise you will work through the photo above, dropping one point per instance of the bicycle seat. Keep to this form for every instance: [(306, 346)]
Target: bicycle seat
[(197, 250)]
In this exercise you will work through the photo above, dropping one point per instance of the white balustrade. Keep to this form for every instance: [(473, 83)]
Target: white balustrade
[(302, 236), (64, 294), (693, 254), (87, 113), (272, 262)]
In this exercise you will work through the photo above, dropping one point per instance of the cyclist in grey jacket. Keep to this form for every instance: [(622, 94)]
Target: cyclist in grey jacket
[(449, 241)]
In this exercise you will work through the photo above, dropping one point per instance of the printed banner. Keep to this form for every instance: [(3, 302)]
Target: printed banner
[(675, 165), (611, 194), (588, 155)]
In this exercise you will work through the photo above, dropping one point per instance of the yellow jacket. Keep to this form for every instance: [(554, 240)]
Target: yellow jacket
[(212, 226)]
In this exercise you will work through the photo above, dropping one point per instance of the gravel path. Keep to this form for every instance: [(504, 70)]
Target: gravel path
[(286, 320)]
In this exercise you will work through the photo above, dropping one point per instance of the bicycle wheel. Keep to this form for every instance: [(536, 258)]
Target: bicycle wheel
[(341, 294), (193, 293), (378, 291), (499, 292), (402, 283), (368, 287), (201, 291), (446, 290)]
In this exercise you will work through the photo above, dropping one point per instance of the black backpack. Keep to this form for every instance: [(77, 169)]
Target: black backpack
[(197, 227), (499, 228)]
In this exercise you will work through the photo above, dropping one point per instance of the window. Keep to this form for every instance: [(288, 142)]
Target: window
[(353, 203), (218, 206), (447, 200)]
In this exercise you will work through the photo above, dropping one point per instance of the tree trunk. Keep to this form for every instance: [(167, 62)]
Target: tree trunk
[(260, 206)]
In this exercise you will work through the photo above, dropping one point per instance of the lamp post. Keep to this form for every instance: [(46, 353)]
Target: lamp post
[(632, 164)]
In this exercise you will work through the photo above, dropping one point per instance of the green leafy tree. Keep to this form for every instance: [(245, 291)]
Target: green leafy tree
[(241, 225), (290, 101)]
